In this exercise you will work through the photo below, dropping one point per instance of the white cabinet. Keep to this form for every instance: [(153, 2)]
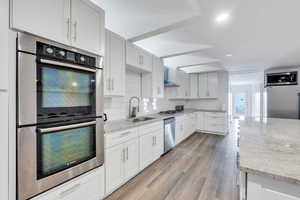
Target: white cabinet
[(131, 165), (122, 163), (114, 168), (48, 18), (153, 83), (184, 85), (179, 129), (121, 158), (200, 121), (76, 23), (87, 27), (138, 59), (4, 145), (212, 84), (194, 92), (265, 188), (114, 69), (151, 143), (212, 122), (215, 122), (208, 85), (89, 186)]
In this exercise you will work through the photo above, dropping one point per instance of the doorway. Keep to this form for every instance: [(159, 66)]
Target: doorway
[(240, 105)]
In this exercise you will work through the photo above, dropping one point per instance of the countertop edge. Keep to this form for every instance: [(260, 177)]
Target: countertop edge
[(270, 175)]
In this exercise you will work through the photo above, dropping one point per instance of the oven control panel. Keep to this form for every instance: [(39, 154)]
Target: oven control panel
[(56, 53)]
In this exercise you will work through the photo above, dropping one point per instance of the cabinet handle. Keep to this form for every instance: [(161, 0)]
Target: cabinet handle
[(75, 31), (68, 30), (152, 140), (123, 155), (142, 60), (127, 153), (69, 191), (107, 84), (155, 140)]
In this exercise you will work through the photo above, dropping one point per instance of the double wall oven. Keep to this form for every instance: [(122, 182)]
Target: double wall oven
[(60, 132)]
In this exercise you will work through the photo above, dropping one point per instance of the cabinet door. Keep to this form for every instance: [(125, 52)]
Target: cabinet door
[(4, 145), (200, 121), (194, 85), (131, 165), (145, 60), (146, 149), (4, 32), (158, 149), (87, 27), (202, 85), (131, 55), (212, 84), (44, 18), (157, 78), (117, 65), (114, 167), (106, 74), (179, 131)]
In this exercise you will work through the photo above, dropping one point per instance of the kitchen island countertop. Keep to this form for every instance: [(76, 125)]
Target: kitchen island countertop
[(271, 147)]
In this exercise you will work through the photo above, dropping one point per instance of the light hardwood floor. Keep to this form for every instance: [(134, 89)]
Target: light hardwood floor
[(203, 167)]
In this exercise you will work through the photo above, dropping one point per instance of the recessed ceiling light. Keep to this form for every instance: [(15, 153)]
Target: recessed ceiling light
[(222, 17), (229, 55)]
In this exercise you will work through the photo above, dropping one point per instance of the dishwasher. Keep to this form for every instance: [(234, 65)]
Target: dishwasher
[(169, 132)]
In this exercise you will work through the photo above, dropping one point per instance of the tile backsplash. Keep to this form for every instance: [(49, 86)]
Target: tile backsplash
[(117, 108)]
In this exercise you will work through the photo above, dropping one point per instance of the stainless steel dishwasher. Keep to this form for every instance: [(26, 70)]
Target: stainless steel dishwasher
[(169, 134)]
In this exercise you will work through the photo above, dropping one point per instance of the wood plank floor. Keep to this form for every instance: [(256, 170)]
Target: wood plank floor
[(203, 167)]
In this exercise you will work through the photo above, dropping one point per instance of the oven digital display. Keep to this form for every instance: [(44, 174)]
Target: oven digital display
[(71, 56)]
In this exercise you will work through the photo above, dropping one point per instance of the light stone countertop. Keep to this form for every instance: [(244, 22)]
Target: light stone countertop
[(120, 125), (271, 147)]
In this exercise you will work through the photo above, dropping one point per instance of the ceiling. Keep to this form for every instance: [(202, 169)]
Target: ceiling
[(258, 34)]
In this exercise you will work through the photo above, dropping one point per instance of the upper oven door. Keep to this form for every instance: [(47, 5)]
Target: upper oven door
[(64, 90)]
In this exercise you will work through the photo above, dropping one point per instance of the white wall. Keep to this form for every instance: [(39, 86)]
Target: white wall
[(4, 21)]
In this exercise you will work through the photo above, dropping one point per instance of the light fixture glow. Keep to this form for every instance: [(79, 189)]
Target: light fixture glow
[(229, 55), (222, 17)]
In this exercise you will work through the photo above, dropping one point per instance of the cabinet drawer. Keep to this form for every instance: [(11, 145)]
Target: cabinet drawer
[(214, 127), (150, 128), (214, 120), (89, 186), (112, 139)]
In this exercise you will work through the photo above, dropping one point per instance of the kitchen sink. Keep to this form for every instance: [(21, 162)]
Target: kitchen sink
[(140, 119)]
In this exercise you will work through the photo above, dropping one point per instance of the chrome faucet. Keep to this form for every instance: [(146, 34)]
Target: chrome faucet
[(132, 114)]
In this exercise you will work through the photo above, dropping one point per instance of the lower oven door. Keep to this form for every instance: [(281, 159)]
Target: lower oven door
[(51, 155)]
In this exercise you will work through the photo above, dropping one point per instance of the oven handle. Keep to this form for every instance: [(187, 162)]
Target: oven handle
[(52, 62), (61, 128)]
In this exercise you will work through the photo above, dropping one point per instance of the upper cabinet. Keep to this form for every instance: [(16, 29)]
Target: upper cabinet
[(138, 59), (114, 69), (87, 27), (208, 85), (194, 92), (76, 23), (153, 83)]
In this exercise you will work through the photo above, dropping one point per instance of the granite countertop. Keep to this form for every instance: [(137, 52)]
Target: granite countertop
[(271, 147), (118, 125)]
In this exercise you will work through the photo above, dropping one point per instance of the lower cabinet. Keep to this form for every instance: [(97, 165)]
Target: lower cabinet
[(179, 130), (212, 122), (121, 163), (89, 186), (151, 147)]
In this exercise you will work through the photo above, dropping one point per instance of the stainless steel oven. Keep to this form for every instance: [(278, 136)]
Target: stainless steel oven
[(59, 114)]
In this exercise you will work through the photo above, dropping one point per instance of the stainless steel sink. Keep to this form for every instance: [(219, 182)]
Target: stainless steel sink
[(140, 119)]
